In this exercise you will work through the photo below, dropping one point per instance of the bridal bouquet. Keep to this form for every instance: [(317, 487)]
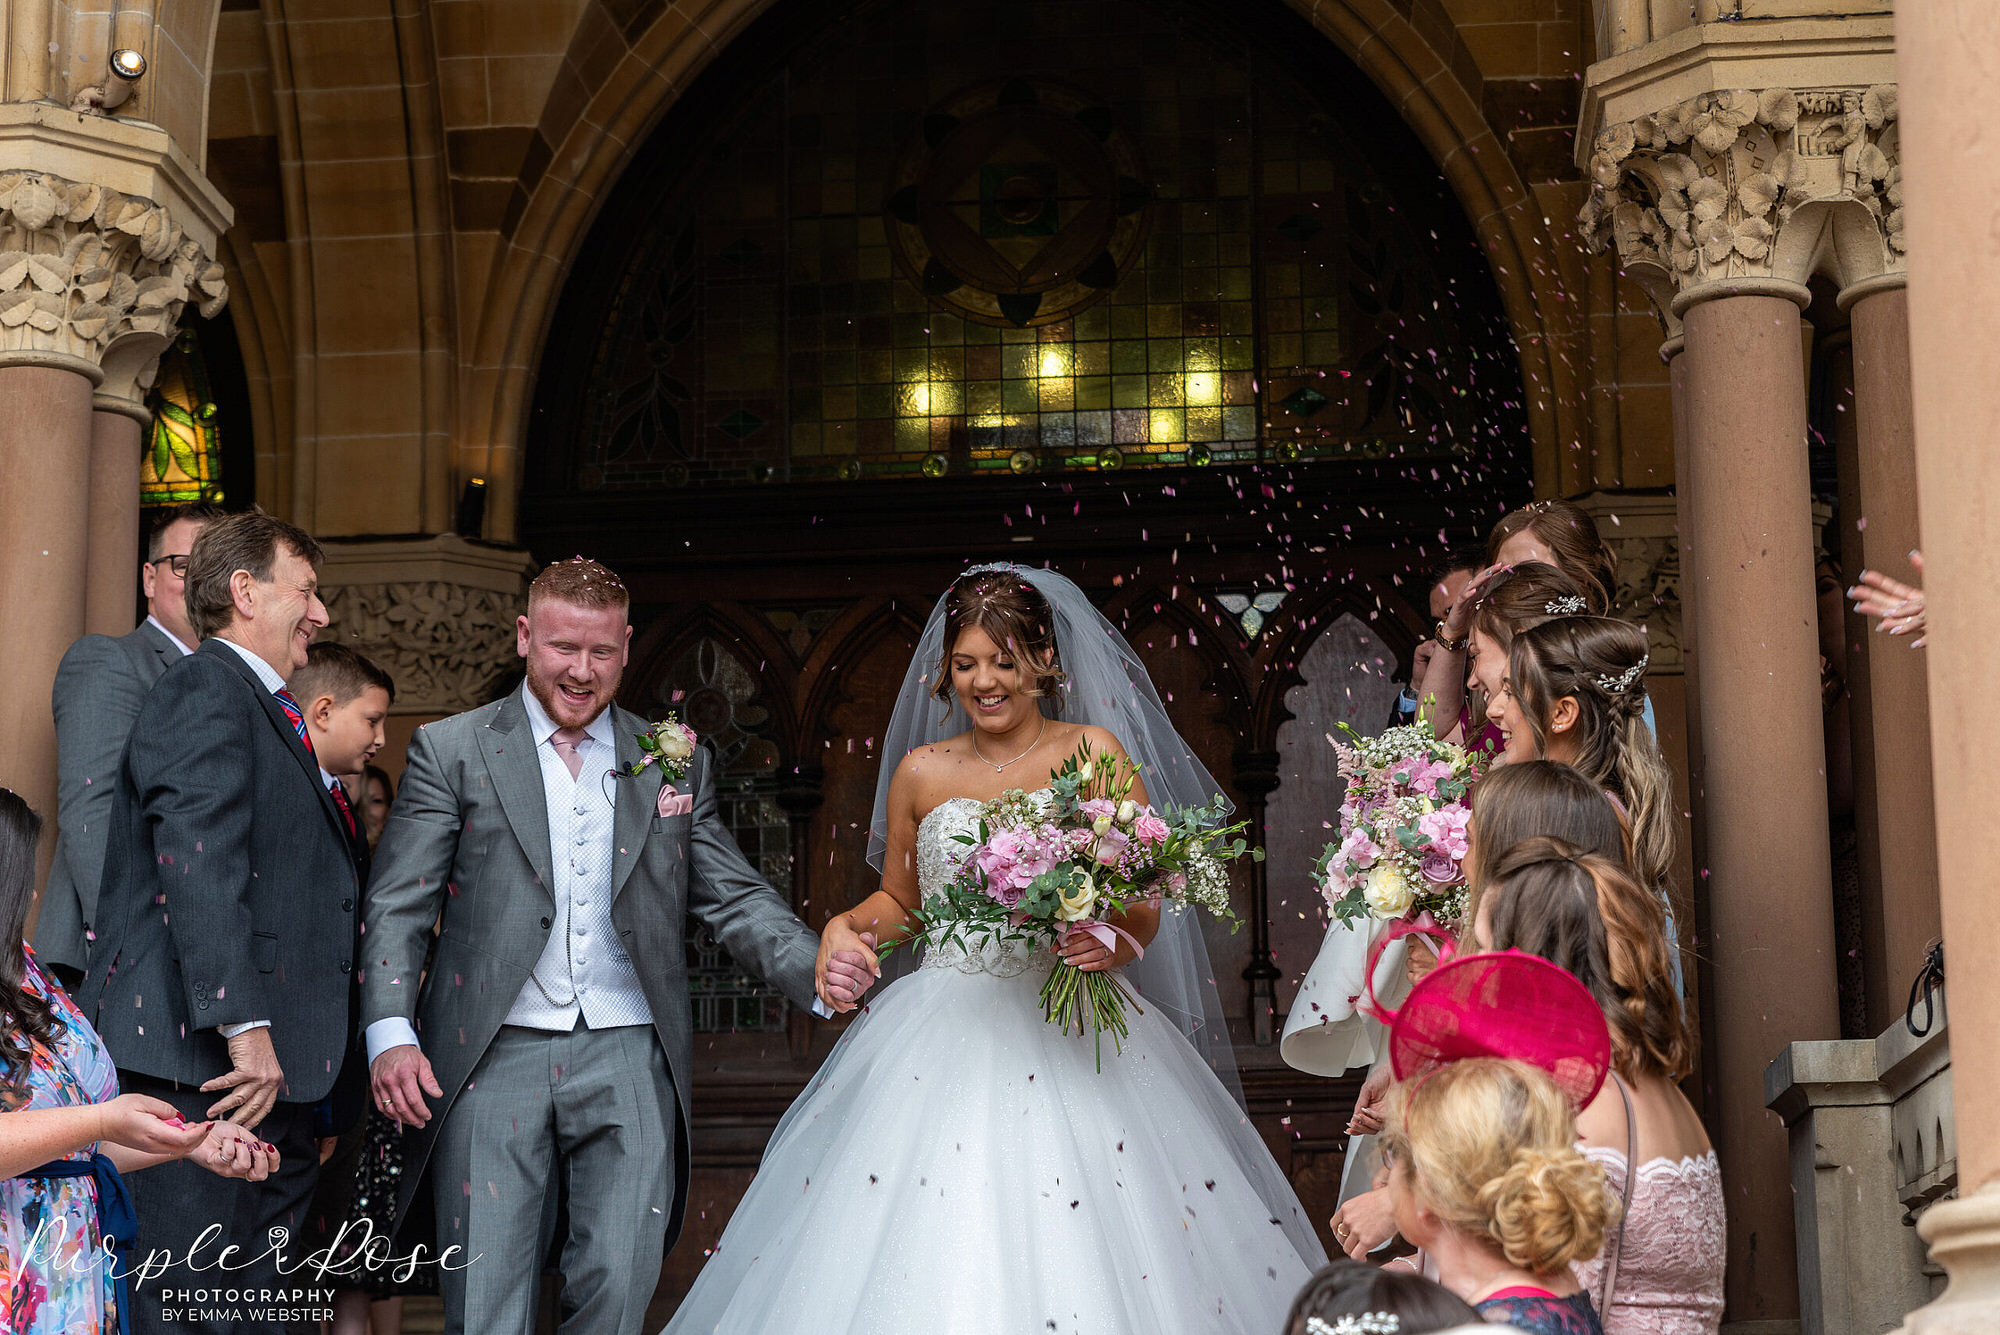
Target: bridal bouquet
[(1073, 855), (1402, 827)]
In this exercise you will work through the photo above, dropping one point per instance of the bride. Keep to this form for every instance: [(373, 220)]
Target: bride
[(959, 1164)]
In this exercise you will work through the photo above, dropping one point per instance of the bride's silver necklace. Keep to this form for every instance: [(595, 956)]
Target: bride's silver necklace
[(1003, 764)]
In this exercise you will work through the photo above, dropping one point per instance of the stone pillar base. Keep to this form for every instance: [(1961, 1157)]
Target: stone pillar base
[(1965, 1239)]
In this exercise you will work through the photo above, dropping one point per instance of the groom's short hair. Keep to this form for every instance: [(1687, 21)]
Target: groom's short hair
[(581, 582)]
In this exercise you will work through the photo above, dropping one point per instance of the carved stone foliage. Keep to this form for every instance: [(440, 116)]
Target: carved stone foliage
[(83, 267), (447, 646), (1708, 189), (1647, 591)]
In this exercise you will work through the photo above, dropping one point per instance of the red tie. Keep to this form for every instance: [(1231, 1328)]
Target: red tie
[(297, 717), (340, 800)]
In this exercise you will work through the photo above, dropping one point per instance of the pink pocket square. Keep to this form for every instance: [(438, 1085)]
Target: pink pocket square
[(674, 803)]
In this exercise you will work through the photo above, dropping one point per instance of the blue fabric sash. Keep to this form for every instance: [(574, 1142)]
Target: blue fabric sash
[(117, 1222)]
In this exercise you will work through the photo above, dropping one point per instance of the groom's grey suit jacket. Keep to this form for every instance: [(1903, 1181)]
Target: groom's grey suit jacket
[(467, 847)]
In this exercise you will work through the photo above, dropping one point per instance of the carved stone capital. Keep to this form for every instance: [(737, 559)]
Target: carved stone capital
[(108, 231), (436, 614), (1741, 188), (95, 277)]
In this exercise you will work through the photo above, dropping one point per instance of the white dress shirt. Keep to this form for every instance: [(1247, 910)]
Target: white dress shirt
[(272, 683), (179, 643), (583, 973)]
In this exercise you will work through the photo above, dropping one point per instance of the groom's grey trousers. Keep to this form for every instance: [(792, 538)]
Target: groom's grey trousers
[(599, 1101)]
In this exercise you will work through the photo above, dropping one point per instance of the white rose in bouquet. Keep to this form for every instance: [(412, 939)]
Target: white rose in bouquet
[(1388, 892), (674, 744), (1078, 900)]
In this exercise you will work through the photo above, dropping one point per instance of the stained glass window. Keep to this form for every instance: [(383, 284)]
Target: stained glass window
[(183, 457), (711, 690), (1112, 234)]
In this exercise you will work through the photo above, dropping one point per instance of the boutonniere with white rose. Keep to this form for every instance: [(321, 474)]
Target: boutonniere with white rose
[(668, 746)]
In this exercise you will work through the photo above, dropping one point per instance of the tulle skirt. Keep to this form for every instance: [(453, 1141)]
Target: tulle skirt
[(961, 1165)]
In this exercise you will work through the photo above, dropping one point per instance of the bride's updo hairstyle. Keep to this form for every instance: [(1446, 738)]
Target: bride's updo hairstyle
[(1015, 616), (1584, 912), (1489, 1146), (1600, 662)]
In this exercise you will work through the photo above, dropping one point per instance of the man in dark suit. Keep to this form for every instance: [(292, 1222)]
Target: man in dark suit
[(99, 688), (226, 917)]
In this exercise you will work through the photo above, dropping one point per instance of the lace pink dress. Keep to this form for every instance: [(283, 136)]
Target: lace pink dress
[(1670, 1271)]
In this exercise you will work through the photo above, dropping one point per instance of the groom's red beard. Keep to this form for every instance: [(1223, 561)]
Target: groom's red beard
[(568, 713)]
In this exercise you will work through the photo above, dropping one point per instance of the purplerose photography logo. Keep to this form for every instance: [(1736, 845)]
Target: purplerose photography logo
[(202, 1286)]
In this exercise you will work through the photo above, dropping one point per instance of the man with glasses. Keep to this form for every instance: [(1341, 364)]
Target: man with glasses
[(99, 687)]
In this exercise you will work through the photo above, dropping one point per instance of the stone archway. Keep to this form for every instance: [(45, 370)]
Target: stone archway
[(564, 186)]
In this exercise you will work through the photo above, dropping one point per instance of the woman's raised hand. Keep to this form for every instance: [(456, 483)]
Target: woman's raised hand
[(1458, 620), (1900, 606)]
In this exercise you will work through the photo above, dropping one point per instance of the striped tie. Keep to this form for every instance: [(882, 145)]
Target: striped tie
[(297, 716)]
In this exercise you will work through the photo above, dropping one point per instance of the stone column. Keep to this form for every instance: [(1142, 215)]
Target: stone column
[(1905, 919), (45, 472), (1765, 825), (109, 232), (117, 435), (1947, 51)]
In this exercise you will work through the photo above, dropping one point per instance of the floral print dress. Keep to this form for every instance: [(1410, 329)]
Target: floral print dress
[(60, 1280)]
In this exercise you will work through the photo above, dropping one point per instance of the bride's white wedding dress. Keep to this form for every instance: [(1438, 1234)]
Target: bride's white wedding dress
[(960, 1165)]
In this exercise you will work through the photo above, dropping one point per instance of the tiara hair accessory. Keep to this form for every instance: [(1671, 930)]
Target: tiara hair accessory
[(1566, 606), (1622, 683), (1367, 1323)]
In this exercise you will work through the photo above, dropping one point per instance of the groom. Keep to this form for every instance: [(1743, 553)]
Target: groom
[(552, 1031)]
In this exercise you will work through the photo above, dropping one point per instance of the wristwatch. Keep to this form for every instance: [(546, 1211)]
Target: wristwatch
[(1448, 644)]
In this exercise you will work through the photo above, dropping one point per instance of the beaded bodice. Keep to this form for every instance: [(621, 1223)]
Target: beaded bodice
[(941, 852)]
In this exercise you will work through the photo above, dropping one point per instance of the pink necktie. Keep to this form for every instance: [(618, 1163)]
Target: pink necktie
[(566, 741)]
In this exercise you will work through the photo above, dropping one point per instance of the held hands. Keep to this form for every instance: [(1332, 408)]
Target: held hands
[(1900, 606), (847, 965), (254, 1083), (398, 1081)]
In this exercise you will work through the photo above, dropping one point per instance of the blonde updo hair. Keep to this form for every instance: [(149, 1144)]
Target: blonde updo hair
[(1490, 1149)]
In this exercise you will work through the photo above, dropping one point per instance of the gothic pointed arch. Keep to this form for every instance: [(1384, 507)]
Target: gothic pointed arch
[(1421, 72)]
